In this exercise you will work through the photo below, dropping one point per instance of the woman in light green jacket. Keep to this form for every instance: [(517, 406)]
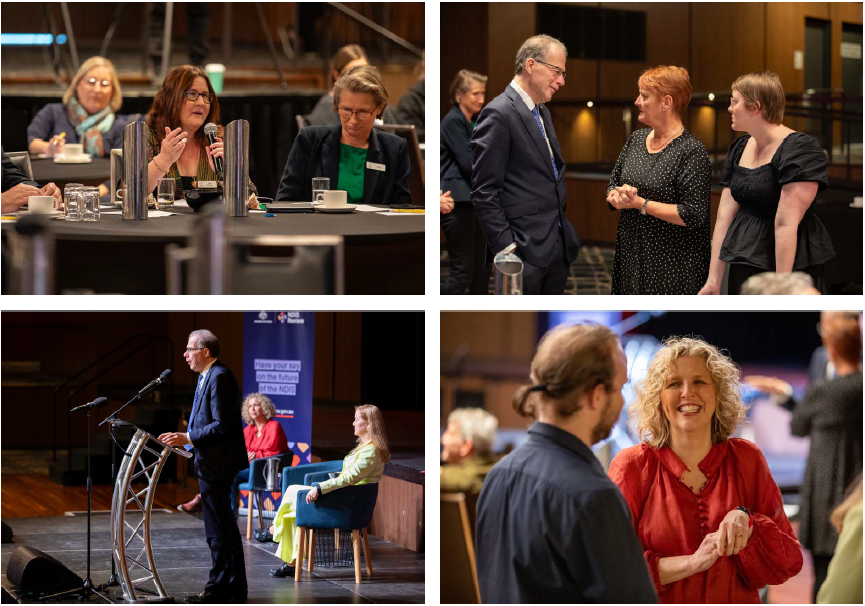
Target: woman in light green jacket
[(843, 584), (363, 465)]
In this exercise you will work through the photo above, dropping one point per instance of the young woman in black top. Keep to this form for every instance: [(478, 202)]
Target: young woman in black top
[(770, 180)]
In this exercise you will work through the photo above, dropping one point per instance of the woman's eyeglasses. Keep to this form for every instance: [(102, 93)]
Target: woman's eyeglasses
[(193, 95), (362, 114), (92, 82)]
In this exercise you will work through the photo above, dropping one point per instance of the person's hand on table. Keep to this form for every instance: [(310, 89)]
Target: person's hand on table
[(56, 145), (172, 146), (174, 438), (446, 202), (16, 197), (53, 191), (253, 201)]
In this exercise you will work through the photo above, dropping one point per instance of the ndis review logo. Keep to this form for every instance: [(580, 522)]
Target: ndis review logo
[(290, 317)]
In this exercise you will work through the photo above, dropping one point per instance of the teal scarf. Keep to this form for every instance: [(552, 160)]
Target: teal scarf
[(90, 128)]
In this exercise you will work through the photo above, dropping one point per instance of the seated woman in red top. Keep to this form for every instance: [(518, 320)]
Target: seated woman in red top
[(704, 505), (264, 438)]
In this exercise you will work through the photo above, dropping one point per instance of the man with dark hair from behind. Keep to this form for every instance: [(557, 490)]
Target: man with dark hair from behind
[(551, 526)]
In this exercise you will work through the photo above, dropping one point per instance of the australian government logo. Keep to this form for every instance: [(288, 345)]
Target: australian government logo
[(290, 317), (263, 318)]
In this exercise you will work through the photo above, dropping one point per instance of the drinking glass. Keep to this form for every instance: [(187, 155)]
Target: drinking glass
[(88, 204), (319, 186), (70, 201), (165, 195)]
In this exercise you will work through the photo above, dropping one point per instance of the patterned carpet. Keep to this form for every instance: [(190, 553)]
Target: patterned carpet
[(591, 272)]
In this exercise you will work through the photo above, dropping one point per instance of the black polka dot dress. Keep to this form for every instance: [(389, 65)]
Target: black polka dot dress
[(653, 256)]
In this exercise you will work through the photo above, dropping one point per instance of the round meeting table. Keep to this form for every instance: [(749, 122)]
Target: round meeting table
[(383, 254)]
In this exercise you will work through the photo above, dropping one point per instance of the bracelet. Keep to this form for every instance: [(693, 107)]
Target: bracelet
[(156, 164)]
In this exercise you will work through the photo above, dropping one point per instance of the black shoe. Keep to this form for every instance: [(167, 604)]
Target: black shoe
[(263, 536), (284, 571)]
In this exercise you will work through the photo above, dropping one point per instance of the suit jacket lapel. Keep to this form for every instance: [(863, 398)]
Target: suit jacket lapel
[(196, 405), (370, 176), (330, 156), (531, 125)]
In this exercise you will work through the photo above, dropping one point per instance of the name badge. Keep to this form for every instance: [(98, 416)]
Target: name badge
[(374, 166), (207, 185)]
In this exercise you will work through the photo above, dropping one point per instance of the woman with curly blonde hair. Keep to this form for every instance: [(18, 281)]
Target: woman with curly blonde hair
[(701, 500)]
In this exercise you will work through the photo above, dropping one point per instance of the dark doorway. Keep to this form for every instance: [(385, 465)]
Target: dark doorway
[(851, 80), (818, 76)]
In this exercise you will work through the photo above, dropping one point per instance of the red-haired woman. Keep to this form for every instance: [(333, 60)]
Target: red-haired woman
[(363, 465), (178, 147), (662, 185)]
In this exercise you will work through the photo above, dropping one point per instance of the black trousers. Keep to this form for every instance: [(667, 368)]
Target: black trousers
[(467, 251), (549, 280), (198, 32), (821, 569), (739, 273), (228, 574)]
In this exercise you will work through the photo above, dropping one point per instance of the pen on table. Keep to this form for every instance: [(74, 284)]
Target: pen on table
[(407, 210)]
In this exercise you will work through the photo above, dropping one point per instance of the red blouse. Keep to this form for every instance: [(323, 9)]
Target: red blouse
[(272, 440), (671, 520)]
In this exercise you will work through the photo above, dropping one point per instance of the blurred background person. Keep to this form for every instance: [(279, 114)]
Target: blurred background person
[(351, 153), (467, 450), (88, 114), (350, 55), (411, 108), (843, 584), (770, 178), (467, 247), (831, 414), (696, 495), (771, 283), (661, 183)]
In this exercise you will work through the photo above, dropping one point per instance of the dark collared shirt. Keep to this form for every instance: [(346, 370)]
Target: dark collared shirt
[(552, 527)]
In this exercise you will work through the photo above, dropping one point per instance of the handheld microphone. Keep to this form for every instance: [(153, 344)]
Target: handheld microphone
[(210, 132), (165, 376), (94, 404)]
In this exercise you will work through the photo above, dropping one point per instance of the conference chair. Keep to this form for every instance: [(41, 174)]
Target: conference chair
[(302, 121), (457, 552), (257, 484), (416, 175), (21, 159), (347, 509)]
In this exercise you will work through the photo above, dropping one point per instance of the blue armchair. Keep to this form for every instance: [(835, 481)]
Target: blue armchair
[(348, 508), (257, 484), (297, 474)]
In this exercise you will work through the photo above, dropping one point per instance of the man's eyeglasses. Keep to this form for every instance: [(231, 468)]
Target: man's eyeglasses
[(191, 349), (193, 95), (558, 70), (362, 114), (92, 82)]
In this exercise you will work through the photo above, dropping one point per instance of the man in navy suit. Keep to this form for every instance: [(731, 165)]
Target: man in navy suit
[(215, 433), (518, 174)]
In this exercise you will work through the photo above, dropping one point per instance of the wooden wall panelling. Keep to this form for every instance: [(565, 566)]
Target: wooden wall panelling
[(727, 41), (464, 44), (347, 362), (588, 210), (510, 24), (399, 513), (840, 13), (322, 380)]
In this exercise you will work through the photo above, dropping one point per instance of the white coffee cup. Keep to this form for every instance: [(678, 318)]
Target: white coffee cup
[(40, 204), (73, 150), (334, 197)]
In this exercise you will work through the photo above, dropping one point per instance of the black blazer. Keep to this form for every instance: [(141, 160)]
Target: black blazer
[(315, 153), (12, 175), (514, 191), (456, 155), (217, 430)]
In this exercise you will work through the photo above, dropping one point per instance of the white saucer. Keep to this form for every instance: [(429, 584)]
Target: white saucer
[(336, 209), (53, 213), (84, 159)]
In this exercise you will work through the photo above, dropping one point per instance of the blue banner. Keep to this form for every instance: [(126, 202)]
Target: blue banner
[(278, 349)]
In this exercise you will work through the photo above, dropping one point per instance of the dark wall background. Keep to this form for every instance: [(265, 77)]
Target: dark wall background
[(360, 357)]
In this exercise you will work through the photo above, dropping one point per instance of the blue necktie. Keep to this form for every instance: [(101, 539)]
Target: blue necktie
[(537, 116), (194, 406)]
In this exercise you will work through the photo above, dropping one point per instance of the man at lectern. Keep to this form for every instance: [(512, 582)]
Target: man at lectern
[(215, 434)]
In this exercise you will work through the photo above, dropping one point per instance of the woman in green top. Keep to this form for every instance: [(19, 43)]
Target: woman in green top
[(178, 148), (370, 165), (363, 465)]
